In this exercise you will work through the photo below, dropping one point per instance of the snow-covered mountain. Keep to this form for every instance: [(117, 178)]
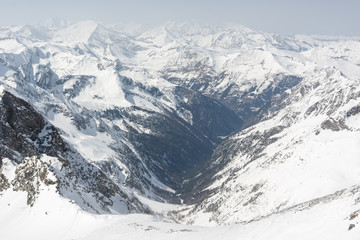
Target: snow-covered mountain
[(237, 125), (304, 147)]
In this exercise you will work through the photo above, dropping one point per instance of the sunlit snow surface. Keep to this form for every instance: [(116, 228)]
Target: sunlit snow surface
[(56, 218)]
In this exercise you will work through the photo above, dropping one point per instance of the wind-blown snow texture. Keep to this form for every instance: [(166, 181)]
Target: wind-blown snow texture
[(250, 129)]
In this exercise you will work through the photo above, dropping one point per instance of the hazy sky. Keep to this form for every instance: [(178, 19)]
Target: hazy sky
[(330, 17)]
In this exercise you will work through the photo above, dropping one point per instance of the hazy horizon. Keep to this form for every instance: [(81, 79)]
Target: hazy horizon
[(279, 16)]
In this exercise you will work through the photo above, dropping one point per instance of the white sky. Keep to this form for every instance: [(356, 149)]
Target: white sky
[(328, 17)]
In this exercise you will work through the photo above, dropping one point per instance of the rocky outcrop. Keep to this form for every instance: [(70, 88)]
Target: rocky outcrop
[(20, 126), (29, 175)]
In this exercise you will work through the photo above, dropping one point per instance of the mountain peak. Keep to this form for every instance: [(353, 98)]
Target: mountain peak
[(56, 23), (76, 33)]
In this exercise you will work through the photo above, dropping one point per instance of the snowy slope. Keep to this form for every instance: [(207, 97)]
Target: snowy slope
[(328, 218)]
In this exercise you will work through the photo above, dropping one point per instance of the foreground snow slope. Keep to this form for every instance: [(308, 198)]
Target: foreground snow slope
[(57, 218)]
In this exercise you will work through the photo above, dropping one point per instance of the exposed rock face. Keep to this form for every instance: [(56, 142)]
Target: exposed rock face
[(4, 183), (24, 131), (20, 126)]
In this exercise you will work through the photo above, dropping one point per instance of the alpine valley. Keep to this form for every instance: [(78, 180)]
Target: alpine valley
[(180, 131)]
